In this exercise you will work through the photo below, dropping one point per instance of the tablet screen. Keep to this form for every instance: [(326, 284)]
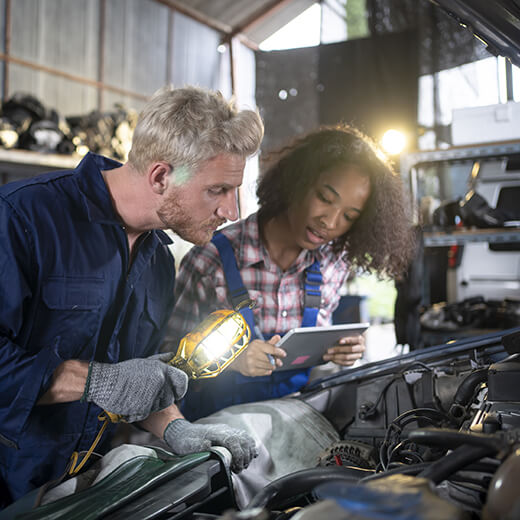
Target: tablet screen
[(305, 346)]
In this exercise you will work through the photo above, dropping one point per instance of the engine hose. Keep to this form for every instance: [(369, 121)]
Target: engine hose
[(412, 469), (467, 387), (446, 438), (456, 460), (302, 482)]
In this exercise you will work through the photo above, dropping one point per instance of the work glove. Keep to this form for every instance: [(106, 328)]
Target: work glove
[(135, 388), (184, 437)]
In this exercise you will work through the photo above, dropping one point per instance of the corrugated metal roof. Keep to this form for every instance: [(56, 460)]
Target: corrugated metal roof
[(256, 20)]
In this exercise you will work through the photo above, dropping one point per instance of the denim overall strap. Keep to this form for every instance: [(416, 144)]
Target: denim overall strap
[(237, 291), (312, 298)]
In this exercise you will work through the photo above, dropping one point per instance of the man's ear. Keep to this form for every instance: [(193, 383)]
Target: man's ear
[(159, 176)]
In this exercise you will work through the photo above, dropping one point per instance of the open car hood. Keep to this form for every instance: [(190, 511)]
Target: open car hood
[(495, 22)]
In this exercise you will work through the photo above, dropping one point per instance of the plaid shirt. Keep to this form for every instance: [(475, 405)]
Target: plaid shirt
[(201, 287)]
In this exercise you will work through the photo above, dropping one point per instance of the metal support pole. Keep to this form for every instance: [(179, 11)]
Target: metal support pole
[(509, 81), (7, 48)]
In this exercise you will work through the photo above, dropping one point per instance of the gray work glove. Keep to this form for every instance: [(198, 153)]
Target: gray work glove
[(184, 437), (135, 388)]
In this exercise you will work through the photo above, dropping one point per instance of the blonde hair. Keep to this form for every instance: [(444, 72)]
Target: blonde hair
[(188, 126)]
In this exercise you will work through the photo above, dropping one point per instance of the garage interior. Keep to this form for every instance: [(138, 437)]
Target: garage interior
[(444, 76)]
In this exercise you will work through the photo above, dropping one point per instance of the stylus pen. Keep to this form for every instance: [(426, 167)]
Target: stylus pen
[(260, 336)]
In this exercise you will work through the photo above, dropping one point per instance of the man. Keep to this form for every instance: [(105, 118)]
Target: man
[(86, 285)]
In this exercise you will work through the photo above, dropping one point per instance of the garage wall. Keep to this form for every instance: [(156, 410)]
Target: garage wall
[(60, 35), (80, 55), (195, 59)]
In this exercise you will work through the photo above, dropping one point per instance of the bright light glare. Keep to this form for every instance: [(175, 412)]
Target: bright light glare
[(303, 31), (215, 345), (82, 150), (221, 339), (9, 138), (393, 142)]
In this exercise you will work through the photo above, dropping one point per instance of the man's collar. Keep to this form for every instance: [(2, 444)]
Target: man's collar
[(95, 195), (96, 198), (164, 237)]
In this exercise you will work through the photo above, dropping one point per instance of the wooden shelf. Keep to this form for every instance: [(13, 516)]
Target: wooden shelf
[(15, 156), (22, 164)]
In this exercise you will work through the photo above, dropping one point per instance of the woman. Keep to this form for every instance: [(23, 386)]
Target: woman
[(329, 204)]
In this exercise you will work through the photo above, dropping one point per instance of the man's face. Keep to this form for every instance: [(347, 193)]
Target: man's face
[(196, 207)]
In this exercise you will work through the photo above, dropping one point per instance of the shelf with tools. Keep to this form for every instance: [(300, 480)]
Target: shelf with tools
[(465, 196), (464, 236), (459, 153), (465, 162)]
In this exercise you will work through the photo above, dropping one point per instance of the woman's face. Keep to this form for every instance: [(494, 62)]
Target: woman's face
[(330, 208)]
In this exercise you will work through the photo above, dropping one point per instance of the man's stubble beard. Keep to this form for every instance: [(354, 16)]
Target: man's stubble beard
[(178, 219)]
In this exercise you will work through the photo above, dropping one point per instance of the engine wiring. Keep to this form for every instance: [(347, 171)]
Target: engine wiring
[(370, 410), (393, 451)]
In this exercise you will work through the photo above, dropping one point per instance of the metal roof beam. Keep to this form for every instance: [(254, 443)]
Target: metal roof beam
[(212, 23), (257, 17), (197, 16)]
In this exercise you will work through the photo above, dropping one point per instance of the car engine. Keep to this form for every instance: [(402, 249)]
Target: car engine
[(432, 434)]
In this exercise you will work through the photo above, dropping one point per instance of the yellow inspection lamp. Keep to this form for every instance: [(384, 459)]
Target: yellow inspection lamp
[(204, 352), (208, 349)]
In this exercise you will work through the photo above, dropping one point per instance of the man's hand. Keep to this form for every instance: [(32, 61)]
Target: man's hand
[(347, 351), (184, 437), (137, 387), (254, 361)]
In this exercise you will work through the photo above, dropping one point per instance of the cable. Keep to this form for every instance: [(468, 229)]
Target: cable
[(400, 374), (74, 465), (413, 470), (373, 408), (396, 427)]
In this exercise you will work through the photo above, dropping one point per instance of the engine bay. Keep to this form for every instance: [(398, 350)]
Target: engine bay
[(444, 420)]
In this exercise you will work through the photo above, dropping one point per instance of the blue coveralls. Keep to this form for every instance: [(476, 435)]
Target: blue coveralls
[(209, 395), (67, 291)]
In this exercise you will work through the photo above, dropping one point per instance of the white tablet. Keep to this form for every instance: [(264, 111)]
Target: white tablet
[(305, 346)]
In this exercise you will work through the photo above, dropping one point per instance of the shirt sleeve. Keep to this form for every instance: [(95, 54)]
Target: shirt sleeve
[(195, 296), (25, 372), (160, 337)]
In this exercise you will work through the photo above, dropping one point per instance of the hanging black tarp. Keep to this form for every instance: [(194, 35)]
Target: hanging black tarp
[(287, 93), (370, 82)]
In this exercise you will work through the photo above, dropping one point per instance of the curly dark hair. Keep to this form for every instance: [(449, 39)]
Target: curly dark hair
[(381, 240)]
